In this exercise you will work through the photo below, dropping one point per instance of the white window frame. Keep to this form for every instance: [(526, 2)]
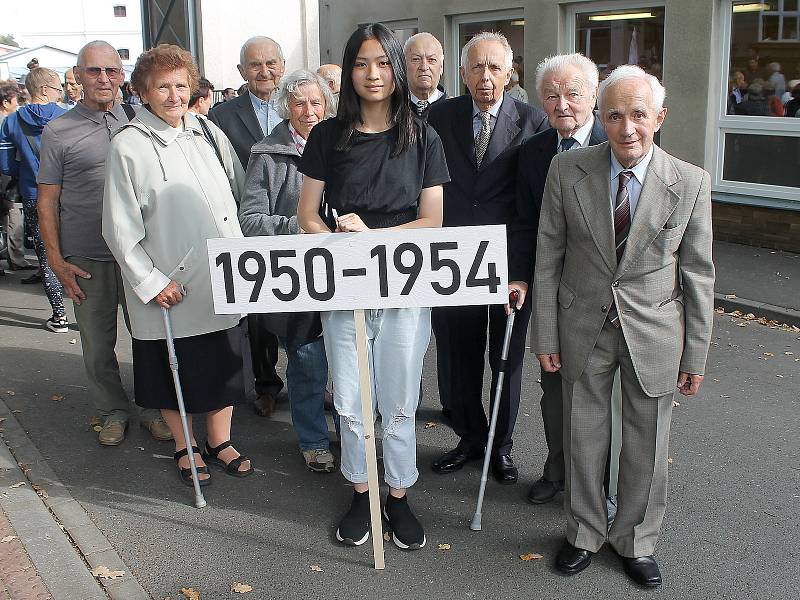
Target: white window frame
[(454, 50), (571, 18), (740, 191)]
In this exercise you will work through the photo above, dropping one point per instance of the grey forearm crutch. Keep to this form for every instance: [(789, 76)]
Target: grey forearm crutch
[(199, 500), (475, 525)]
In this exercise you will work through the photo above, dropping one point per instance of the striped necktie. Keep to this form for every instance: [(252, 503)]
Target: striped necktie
[(482, 139), (422, 106), (622, 225), (568, 143)]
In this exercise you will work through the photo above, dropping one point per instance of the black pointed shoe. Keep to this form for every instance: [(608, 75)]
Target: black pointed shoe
[(454, 460), (544, 490), (643, 570), (571, 560), (504, 470)]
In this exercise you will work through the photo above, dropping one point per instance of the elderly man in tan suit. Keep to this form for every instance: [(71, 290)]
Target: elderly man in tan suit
[(624, 279)]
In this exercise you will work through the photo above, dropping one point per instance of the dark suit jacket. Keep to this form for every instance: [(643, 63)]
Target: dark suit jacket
[(425, 114), (485, 195), (238, 121), (532, 166)]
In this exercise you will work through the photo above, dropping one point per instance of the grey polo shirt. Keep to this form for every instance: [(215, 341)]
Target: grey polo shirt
[(73, 155)]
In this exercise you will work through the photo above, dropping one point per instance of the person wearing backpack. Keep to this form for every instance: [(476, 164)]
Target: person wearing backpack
[(20, 148)]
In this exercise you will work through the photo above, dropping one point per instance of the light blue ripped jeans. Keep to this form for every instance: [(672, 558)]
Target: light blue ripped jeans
[(397, 339)]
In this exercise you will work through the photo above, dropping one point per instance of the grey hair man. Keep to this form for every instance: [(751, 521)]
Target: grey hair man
[(332, 74), (73, 89), (480, 132), (567, 88), (70, 183), (424, 66), (246, 120), (623, 280)]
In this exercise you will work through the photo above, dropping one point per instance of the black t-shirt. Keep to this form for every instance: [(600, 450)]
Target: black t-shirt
[(383, 190)]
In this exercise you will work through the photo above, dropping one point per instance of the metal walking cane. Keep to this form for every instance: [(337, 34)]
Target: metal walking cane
[(475, 525), (199, 500)]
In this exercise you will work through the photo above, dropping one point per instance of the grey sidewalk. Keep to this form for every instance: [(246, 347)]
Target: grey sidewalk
[(759, 281)]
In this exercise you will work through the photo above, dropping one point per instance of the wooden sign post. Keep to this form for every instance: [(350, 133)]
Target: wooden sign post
[(451, 266)]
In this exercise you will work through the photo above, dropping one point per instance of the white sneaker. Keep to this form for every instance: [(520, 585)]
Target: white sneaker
[(57, 324)]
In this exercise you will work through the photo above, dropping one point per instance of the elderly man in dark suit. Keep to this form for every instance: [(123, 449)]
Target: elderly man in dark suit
[(481, 133), (624, 279), (567, 87), (246, 120), (424, 65)]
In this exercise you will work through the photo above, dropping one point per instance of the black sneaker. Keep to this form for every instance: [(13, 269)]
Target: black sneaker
[(57, 324), (407, 533), (354, 527)]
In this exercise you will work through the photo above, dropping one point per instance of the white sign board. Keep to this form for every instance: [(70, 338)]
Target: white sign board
[(449, 266)]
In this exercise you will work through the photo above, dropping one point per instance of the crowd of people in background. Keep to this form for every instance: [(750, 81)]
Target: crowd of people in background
[(110, 173), (763, 92)]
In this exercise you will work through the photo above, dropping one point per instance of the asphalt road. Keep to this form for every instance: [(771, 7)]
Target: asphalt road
[(731, 530)]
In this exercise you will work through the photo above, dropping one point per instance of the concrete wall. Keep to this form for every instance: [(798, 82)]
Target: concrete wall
[(224, 27)]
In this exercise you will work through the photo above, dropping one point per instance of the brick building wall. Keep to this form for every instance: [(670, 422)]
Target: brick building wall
[(757, 226)]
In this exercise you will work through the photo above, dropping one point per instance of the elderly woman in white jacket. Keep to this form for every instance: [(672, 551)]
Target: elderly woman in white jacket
[(171, 183)]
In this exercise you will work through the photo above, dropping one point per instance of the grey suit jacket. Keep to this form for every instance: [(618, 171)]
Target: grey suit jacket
[(663, 287), (238, 121)]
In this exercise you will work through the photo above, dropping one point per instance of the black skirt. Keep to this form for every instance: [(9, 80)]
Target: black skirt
[(215, 371)]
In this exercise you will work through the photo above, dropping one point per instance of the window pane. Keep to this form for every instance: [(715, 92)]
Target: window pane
[(513, 29), (618, 37), (765, 58), (743, 149)]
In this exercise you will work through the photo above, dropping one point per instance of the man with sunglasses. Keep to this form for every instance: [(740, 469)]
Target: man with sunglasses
[(71, 180)]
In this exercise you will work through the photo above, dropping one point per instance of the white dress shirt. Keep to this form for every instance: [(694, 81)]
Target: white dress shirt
[(476, 120), (581, 136)]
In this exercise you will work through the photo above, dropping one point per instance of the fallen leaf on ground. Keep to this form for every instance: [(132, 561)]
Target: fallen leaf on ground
[(15, 412), (8, 538), (789, 353), (730, 296), (386, 536), (140, 448), (769, 354), (316, 568), (781, 376), (675, 403), (73, 341), (430, 425), (11, 393), (58, 397), (669, 460), (190, 593), (741, 324), (719, 311), (530, 556), (41, 491), (103, 572), (444, 546), (16, 485), (96, 424), (241, 588)]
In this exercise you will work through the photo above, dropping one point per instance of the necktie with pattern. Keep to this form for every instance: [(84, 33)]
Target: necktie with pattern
[(482, 139), (567, 144), (422, 106), (622, 225)]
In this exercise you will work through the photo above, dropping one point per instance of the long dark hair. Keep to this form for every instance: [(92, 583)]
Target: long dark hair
[(349, 111)]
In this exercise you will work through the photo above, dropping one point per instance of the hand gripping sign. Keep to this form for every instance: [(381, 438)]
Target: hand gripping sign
[(407, 268)]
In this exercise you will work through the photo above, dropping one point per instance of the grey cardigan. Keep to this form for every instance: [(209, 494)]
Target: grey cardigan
[(269, 207), (272, 186)]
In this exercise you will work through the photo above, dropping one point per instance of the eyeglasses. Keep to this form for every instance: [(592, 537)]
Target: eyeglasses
[(58, 89), (111, 72)]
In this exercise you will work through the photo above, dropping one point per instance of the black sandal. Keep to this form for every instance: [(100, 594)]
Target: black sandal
[(211, 456), (186, 474)]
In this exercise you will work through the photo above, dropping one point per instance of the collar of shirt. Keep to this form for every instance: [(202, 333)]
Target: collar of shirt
[(636, 182), (299, 141), (97, 116), (581, 136), (437, 93), (493, 110), (258, 103)]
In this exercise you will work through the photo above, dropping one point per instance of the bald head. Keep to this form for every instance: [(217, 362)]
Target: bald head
[(332, 74), (424, 64), (99, 85), (97, 46)]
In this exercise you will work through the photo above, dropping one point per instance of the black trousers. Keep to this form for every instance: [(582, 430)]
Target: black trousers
[(264, 348), (461, 339), (553, 418)]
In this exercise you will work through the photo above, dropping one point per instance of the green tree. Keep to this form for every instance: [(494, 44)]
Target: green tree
[(8, 39)]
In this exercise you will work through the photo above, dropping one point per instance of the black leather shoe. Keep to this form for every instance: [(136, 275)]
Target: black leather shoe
[(453, 460), (503, 469), (571, 560), (544, 490), (643, 570)]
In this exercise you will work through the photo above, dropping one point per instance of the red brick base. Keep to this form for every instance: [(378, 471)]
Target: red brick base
[(757, 226)]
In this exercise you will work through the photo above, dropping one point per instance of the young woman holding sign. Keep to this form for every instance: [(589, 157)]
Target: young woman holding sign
[(375, 166)]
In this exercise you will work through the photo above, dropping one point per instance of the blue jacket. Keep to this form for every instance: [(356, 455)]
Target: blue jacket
[(16, 157)]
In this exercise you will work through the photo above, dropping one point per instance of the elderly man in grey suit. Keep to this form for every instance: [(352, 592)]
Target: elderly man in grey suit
[(623, 278), (246, 120)]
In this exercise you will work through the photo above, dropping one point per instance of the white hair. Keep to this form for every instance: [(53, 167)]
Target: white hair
[(258, 39), (417, 36), (490, 36), (627, 73), (559, 62), (92, 45), (290, 86)]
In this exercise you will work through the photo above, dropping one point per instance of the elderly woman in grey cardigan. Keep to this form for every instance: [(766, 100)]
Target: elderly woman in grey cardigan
[(269, 207)]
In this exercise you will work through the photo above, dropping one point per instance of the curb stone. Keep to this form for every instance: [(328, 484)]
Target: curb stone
[(781, 314)]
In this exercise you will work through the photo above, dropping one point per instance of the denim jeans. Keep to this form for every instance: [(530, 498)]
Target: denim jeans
[(306, 377), (397, 339)]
